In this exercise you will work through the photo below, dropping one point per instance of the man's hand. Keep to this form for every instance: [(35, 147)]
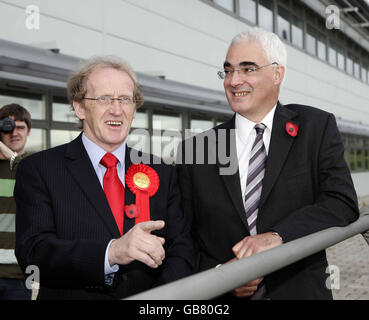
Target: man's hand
[(5, 152), (247, 289), (247, 247), (139, 244), (255, 244)]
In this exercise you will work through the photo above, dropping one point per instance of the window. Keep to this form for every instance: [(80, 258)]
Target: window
[(200, 124), (341, 60), (322, 53), (166, 122), (248, 10), (283, 24), (58, 137), (349, 65), (33, 103), (226, 4), (63, 112), (364, 70), (297, 32), (166, 135), (332, 54), (356, 69), (36, 141), (364, 74), (310, 41), (265, 14), (141, 120)]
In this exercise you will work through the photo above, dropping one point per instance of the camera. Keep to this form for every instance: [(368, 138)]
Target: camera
[(7, 125)]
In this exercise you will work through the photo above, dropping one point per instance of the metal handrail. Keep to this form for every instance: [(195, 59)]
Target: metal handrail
[(217, 281)]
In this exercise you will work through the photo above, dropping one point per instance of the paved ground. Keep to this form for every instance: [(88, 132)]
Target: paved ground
[(352, 259)]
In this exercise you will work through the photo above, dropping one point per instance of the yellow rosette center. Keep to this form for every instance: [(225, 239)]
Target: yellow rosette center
[(141, 180)]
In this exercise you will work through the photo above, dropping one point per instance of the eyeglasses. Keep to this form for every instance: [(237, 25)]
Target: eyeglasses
[(243, 72), (108, 100)]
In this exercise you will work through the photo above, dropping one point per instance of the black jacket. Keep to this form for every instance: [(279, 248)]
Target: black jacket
[(307, 187), (64, 224)]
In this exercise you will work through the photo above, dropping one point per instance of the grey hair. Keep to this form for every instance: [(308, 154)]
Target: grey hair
[(76, 85), (273, 47), (77, 81)]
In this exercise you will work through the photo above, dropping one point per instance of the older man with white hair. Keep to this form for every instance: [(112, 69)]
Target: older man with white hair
[(292, 179)]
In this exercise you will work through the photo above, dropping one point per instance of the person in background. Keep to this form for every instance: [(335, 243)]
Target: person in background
[(12, 150), (97, 222), (292, 179)]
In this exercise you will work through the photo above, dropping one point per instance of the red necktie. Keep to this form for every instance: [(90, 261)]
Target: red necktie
[(114, 189)]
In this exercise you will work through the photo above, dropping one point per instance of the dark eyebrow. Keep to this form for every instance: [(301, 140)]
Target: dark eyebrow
[(242, 64), (248, 63)]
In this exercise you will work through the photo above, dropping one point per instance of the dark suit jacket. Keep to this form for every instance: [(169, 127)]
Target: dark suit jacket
[(64, 224), (307, 187)]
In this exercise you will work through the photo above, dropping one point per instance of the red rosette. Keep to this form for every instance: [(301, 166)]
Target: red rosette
[(144, 182)]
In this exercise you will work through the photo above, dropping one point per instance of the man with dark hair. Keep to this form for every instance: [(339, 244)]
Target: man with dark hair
[(12, 150)]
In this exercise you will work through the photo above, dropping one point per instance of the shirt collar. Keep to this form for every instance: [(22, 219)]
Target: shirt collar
[(95, 152), (244, 126)]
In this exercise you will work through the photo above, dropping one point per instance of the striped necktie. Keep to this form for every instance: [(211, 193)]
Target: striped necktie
[(255, 177)]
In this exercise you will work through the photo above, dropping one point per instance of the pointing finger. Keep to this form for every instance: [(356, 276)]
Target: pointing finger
[(149, 226)]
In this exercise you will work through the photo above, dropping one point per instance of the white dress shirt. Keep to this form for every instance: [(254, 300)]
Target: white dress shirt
[(245, 137), (95, 154)]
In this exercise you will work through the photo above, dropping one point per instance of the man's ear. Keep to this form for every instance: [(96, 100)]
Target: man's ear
[(79, 109), (278, 76)]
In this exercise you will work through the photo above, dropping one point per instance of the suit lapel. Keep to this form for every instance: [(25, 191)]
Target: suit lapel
[(280, 145), (79, 165), (232, 182), (130, 198)]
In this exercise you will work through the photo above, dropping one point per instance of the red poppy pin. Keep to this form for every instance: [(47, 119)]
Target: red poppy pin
[(131, 211), (292, 129)]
